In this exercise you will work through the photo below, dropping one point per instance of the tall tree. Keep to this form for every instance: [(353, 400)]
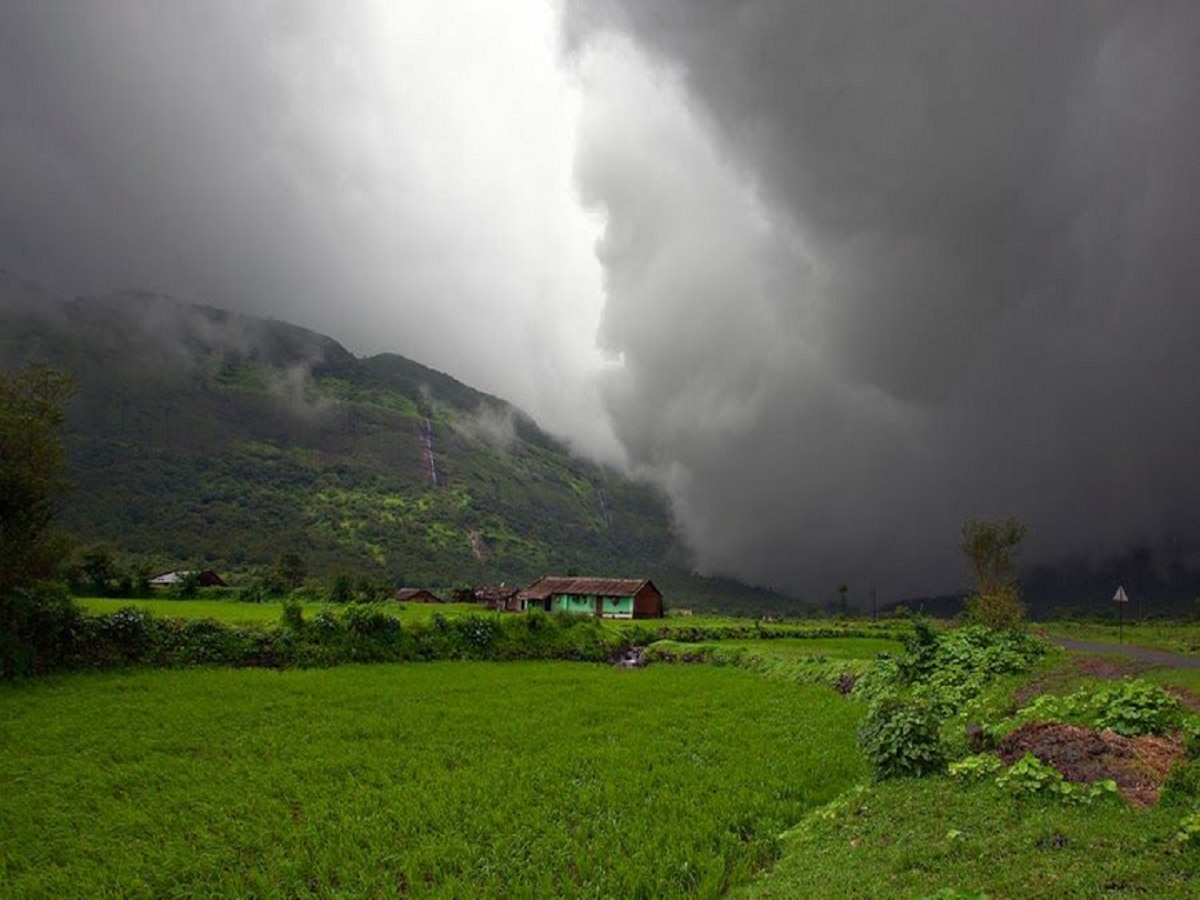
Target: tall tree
[(32, 462), (991, 549), (34, 614)]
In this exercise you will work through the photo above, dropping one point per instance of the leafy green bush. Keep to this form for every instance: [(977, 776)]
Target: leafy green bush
[(1029, 776), (1133, 706), (342, 589), (900, 737), (369, 620), (293, 615), (478, 632), (948, 669), (937, 684), (37, 627), (975, 768), (1000, 608), (1129, 707)]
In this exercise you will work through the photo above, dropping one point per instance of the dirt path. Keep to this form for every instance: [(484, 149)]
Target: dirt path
[(1143, 654)]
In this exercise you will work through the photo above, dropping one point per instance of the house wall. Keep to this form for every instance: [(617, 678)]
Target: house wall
[(593, 605), (574, 603), (648, 603), (617, 608)]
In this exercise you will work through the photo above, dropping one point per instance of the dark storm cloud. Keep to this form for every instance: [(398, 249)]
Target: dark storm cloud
[(898, 264)]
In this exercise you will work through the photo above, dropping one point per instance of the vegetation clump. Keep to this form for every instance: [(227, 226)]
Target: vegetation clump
[(33, 613), (900, 738), (917, 698)]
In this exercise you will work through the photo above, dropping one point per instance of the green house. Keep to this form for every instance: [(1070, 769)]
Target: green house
[(607, 598)]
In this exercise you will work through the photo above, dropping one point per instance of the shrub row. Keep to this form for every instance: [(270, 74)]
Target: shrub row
[(354, 633)]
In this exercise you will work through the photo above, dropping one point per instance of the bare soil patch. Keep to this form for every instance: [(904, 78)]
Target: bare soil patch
[(1138, 765)]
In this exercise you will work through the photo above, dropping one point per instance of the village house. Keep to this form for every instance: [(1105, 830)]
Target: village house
[(207, 578), (415, 595), (606, 598), (496, 597)]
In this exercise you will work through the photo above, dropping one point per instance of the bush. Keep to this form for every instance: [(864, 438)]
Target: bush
[(342, 590), (1029, 776), (1000, 608), (1130, 707), (292, 616), (1134, 707), (369, 620), (38, 625), (477, 632), (900, 738)]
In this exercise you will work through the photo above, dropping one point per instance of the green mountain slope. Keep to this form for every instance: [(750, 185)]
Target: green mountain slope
[(200, 435)]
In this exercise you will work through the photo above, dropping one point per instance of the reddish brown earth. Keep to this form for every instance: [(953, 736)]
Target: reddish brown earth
[(1138, 765)]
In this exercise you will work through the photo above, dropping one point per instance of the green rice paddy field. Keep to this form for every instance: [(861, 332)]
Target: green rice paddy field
[(453, 779)]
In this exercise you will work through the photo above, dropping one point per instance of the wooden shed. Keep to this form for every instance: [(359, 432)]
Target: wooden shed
[(606, 598)]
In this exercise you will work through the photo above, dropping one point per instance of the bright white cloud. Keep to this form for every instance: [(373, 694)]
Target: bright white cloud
[(398, 175)]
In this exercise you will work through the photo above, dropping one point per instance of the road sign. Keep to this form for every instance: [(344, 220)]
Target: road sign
[(1121, 597)]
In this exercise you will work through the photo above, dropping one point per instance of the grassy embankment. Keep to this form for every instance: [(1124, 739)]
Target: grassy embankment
[(915, 837), (968, 838), (463, 779)]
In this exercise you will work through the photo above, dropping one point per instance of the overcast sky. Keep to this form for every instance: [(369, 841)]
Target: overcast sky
[(837, 274)]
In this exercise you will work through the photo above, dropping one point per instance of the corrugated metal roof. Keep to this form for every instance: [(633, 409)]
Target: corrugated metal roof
[(550, 585)]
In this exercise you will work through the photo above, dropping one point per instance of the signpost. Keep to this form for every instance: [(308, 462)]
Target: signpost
[(1121, 597)]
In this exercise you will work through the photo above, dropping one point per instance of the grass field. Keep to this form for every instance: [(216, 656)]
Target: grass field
[(831, 648), (235, 613), (454, 779)]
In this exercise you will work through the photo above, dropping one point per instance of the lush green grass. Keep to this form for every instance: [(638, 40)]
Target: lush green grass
[(460, 779), (221, 610), (233, 612), (912, 838), (1187, 679), (1177, 637), (831, 648), (884, 628)]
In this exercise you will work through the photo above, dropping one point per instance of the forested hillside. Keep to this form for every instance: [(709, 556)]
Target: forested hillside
[(201, 436)]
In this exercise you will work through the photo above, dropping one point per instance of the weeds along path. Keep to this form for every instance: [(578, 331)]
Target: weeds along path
[(1143, 654)]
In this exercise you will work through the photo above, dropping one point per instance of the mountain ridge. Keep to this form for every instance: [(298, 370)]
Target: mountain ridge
[(209, 436)]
